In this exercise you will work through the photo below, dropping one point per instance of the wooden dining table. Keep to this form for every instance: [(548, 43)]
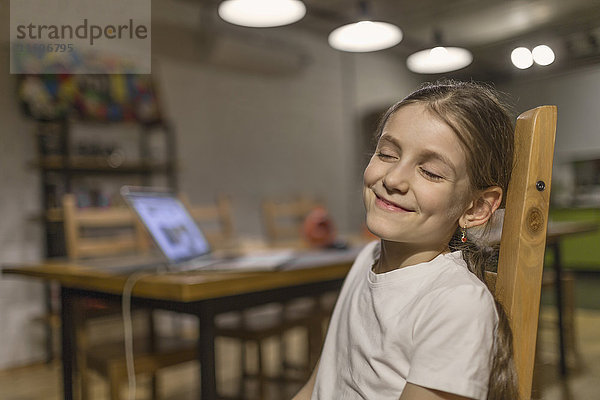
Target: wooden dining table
[(203, 294)]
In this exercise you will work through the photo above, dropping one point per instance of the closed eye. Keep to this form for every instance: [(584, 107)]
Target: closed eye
[(385, 156), (431, 175)]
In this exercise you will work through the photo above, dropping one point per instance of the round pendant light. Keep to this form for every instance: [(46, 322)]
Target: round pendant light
[(439, 60), (365, 36), (542, 55), (521, 57), (262, 13)]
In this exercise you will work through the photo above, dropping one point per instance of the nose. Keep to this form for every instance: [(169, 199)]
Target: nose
[(397, 179)]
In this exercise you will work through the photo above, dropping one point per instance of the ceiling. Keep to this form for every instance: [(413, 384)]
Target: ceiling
[(491, 29)]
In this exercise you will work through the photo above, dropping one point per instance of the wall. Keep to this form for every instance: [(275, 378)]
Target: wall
[(21, 338), (251, 135), (577, 134), (576, 95)]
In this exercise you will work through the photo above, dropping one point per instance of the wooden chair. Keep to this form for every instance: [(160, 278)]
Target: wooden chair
[(517, 283), (216, 220), (95, 232), (127, 235), (257, 324), (282, 221)]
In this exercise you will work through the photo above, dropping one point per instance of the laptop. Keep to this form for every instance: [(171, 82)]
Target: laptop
[(182, 244)]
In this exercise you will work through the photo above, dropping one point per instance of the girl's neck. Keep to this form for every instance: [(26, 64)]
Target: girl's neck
[(395, 255)]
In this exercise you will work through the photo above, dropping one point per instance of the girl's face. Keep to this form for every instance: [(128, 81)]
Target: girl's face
[(416, 185)]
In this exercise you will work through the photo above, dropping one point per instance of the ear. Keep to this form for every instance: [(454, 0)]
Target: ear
[(482, 207)]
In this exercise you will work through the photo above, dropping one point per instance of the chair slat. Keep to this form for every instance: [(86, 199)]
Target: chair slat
[(215, 220), (105, 218), (283, 220), (110, 241), (106, 246)]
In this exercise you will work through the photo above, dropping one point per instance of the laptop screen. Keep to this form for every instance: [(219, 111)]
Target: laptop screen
[(169, 223)]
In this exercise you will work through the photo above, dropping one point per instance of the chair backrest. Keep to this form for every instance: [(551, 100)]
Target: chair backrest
[(282, 221), (114, 230), (216, 220), (518, 281)]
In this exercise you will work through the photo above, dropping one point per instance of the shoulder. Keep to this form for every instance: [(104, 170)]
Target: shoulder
[(455, 284), (464, 302), (457, 295)]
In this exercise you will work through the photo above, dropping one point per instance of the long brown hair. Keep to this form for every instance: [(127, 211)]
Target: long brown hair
[(484, 126)]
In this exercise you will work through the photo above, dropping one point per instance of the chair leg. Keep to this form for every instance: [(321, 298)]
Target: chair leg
[(85, 384), (114, 385), (282, 365), (315, 340), (154, 386), (569, 319), (243, 372), (261, 373), (150, 326), (82, 346)]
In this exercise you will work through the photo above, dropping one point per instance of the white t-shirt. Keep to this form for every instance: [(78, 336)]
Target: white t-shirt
[(431, 324)]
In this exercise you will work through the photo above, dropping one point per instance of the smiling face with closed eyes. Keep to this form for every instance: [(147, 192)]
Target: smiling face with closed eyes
[(416, 186)]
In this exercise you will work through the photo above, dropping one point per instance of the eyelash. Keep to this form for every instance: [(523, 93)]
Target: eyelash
[(384, 156), (428, 174), (432, 175)]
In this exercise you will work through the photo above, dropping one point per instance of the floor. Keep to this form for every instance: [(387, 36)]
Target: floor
[(584, 370), (180, 383)]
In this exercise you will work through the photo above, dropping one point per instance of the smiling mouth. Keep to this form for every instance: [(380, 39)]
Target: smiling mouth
[(389, 206)]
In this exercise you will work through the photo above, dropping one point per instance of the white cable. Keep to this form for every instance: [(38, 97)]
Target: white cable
[(127, 322), (128, 330)]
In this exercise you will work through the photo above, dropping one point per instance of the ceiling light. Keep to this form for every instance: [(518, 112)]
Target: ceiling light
[(543, 55), (365, 36), (521, 58), (439, 60), (262, 13)]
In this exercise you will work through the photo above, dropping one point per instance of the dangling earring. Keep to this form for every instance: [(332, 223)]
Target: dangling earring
[(463, 231)]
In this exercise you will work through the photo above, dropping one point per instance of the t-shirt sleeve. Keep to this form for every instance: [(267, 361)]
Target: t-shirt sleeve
[(453, 341)]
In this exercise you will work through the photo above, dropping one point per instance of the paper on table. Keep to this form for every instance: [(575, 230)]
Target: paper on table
[(262, 261)]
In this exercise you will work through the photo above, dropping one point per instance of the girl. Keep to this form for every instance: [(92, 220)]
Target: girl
[(414, 319)]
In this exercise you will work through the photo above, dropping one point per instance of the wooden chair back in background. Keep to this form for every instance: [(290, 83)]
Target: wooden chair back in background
[(517, 283), (116, 230), (216, 220), (282, 221)]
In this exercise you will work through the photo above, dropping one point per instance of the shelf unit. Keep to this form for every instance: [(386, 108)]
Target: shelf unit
[(58, 164), (88, 166)]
